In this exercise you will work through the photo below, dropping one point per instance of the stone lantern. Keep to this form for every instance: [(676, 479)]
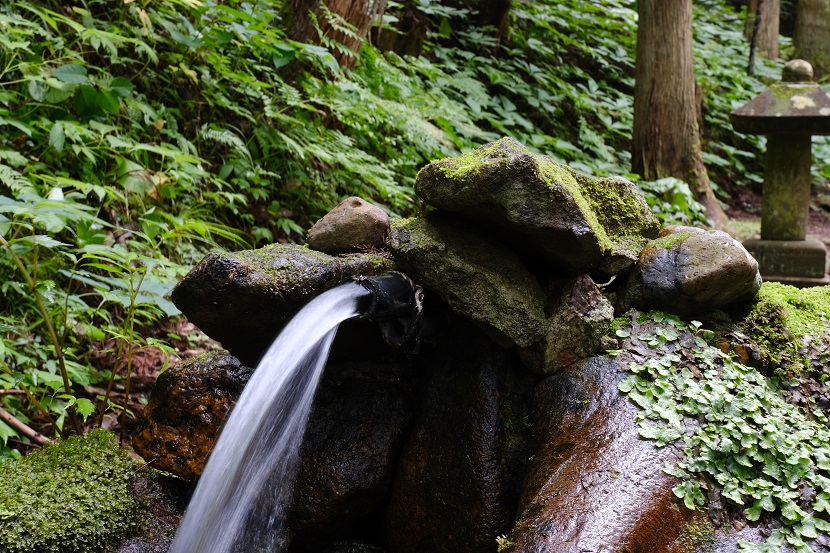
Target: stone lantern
[(788, 113)]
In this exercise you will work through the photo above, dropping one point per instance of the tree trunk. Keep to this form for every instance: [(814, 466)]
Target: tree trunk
[(666, 141), (357, 13), (812, 35), (766, 41)]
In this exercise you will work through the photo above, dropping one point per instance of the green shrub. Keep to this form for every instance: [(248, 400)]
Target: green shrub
[(73, 497)]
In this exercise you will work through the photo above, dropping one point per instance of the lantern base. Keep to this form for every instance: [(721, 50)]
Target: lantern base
[(800, 263)]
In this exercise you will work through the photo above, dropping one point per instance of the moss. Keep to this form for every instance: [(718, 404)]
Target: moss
[(783, 317), (669, 241), (621, 209), (806, 309), (70, 497), (698, 536), (785, 91), (461, 168), (563, 176)]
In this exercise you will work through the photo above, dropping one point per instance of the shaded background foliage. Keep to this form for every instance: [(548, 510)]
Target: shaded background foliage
[(136, 136)]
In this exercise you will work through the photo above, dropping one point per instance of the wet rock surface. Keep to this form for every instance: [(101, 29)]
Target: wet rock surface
[(477, 278), (689, 270), (188, 405), (579, 318), (243, 299), (592, 484), (354, 437), (573, 222), (353, 225), (454, 490)]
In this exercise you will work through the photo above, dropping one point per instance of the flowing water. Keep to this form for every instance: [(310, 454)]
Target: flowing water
[(240, 503)]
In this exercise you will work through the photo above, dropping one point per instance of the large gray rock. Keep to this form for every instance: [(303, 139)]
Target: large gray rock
[(580, 317), (353, 225), (455, 489), (243, 299), (690, 270), (478, 278), (592, 483), (572, 222)]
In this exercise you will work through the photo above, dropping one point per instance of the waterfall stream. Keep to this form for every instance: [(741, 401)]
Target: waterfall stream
[(244, 492)]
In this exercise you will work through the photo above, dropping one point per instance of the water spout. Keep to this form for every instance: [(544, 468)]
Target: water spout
[(396, 304), (241, 500)]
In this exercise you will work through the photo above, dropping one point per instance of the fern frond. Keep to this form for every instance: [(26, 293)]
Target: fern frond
[(15, 181), (225, 138), (13, 158)]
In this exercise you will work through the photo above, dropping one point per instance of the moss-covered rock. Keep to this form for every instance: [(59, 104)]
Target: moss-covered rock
[(688, 270), (479, 279), (791, 326), (572, 222), (243, 299), (67, 498)]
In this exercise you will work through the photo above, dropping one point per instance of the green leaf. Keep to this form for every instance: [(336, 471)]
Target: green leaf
[(71, 73), (57, 137), (121, 87), (84, 407)]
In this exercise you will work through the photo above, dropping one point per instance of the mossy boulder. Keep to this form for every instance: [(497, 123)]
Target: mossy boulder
[(789, 326), (689, 270), (73, 497), (243, 299), (477, 278), (571, 222)]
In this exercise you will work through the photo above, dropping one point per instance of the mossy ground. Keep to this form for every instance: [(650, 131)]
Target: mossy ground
[(70, 497)]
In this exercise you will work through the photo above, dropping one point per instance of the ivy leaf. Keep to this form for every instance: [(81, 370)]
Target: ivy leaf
[(754, 512)]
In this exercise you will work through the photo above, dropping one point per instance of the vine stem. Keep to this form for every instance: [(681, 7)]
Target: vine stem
[(50, 328)]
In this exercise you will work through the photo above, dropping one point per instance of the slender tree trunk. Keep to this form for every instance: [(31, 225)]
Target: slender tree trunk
[(768, 27), (666, 142), (357, 13), (812, 35)]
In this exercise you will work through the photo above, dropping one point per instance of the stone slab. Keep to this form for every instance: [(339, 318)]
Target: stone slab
[(794, 259)]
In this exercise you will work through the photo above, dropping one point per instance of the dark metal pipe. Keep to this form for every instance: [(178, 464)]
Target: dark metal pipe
[(396, 304)]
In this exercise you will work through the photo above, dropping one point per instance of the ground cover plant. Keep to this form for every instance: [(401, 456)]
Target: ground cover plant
[(743, 444), (69, 498)]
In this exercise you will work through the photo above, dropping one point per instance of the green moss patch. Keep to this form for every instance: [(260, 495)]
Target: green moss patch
[(67, 498), (784, 319)]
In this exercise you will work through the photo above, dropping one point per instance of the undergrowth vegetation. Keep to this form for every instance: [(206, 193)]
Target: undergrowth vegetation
[(137, 135)]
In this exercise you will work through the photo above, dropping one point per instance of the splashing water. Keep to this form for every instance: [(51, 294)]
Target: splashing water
[(242, 497)]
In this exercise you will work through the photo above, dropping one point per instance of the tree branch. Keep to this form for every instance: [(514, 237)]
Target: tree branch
[(23, 428)]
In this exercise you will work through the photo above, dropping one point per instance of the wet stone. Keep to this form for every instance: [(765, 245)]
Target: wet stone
[(186, 409), (690, 270), (592, 484), (455, 486), (243, 299)]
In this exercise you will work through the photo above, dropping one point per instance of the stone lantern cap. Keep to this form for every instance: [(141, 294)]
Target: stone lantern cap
[(795, 105)]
